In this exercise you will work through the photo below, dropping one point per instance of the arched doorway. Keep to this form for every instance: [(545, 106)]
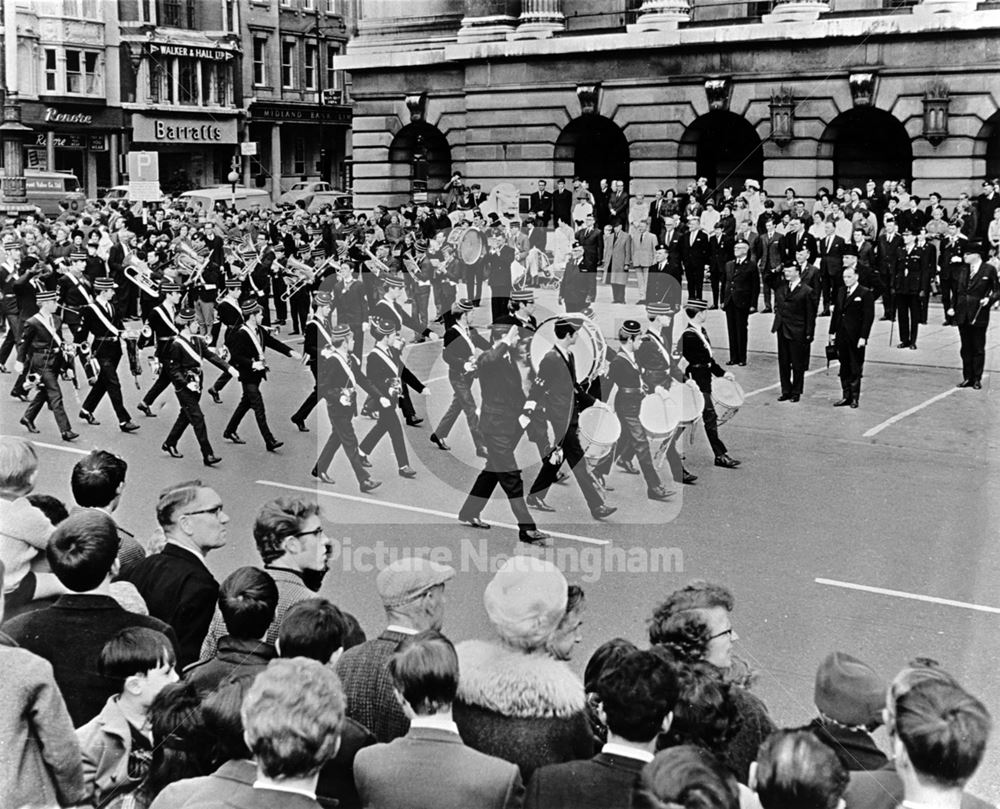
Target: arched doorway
[(426, 154), (724, 148), (990, 135), (867, 143), (592, 147)]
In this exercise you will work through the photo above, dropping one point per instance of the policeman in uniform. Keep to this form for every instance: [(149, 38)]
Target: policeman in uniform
[(910, 285), (102, 320), (41, 352), (161, 321), (976, 290), (317, 339), (247, 356), (183, 359), (624, 374), (701, 367), (231, 317), (339, 377)]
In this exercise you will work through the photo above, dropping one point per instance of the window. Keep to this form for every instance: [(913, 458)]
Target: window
[(51, 74), (311, 56), (147, 11), (231, 15), (91, 79), (178, 13), (286, 3), (331, 7), (309, 5), (80, 9), (299, 157), (260, 60), (334, 78), (74, 72), (287, 64), (187, 81)]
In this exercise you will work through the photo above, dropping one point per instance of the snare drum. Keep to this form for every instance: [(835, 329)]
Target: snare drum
[(659, 416), (588, 352), (689, 401), (599, 431), (728, 398)]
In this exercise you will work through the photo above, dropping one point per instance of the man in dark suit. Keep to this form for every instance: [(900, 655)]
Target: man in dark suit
[(618, 203), (120, 253), (540, 203), (562, 205), (770, 262), (694, 255), (498, 272), (720, 254), (637, 696), (949, 264), (850, 326), (72, 632), (794, 239), (741, 288), (658, 209), (831, 264), (412, 593), (910, 286), (430, 765), (888, 253), (671, 239), (976, 290), (592, 241), (795, 324), (175, 583)]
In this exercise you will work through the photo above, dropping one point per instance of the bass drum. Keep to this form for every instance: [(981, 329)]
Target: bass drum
[(600, 430), (471, 246), (688, 400), (728, 397), (588, 352), (659, 416)]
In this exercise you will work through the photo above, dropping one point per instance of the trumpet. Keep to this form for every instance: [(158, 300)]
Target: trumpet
[(192, 261), (302, 275), (377, 266), (137, 271)]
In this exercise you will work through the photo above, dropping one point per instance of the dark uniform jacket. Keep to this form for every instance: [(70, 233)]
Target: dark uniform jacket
[(38, 341), (794, 313), (791, 242), (853, 315), (162, 325), (183, 358), (74, 294), (741, 285), (243, 353), (391, 310), (656, 360), (334, 382), (969, 292), (913, 272), (502, 391), (557, 392), (623, 373), (231, 316), (498, 269), (697, 350), (383, 369), (103, 321), (317, 337), (458, 350), (351, 304)]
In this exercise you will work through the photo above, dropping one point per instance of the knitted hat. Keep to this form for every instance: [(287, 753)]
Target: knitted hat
[(407, 579), (523, 296), (849, 691), (526, 600), (696, 303), (249, 307), (46, 295), (105, 283)]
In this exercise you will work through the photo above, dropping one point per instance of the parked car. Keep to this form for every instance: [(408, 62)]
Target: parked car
[(122, 192), (304, 191), (243, 199), (338, 199)]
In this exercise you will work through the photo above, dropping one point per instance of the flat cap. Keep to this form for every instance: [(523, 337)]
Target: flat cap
[(848, 690), (409, 578)]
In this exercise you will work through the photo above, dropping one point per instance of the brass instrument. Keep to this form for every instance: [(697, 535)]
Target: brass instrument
[(32, 381), (137, 271), (69, 364), (376, 265), (302, 275), (192, 261)]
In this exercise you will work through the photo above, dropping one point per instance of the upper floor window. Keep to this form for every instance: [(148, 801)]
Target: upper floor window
[(260, 60), (287, 64), (231, 15), (74, 71), (334, 78), (177, 13), (309, 5), (190, 82), (310, 66), (81, 9)]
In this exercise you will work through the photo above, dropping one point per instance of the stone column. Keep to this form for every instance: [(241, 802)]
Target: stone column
[(661, 15), (796, 11), (275, 161), (539, 19), (113, 151), (50, 150), (488, 20)]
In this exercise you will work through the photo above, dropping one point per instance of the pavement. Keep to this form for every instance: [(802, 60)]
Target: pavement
[(873, 531)]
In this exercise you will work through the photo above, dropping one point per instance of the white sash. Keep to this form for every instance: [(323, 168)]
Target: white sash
[(80, 288), (167, 318), (386, 359), (50, 329), (624, 355), (468, 339), (346, 365), (190, 349), (323, 331), (255, 340), (659, 345), (99, 311), (701, 336)]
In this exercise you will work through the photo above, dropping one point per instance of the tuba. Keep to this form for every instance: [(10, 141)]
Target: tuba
[(301, 274), (137, 271), (192, 262), (377, 266)]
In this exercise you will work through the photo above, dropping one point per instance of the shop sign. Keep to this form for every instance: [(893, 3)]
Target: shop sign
[(146, 129), (340, 114), (55, 116), (95, 143), (190, 52)]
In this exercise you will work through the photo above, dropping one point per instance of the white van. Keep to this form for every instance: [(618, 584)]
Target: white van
[(243, 199), (46, 189)]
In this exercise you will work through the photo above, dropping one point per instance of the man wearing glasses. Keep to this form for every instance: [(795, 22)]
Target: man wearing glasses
[(175, 583)]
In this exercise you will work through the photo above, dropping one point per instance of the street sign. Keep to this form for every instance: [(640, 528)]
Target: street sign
[(144, 176), (248, 148)]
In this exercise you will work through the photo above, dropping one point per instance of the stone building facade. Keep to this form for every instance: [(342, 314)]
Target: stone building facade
[(801, 93)]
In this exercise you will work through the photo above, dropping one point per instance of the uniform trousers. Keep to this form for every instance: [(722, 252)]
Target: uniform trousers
[(572, 455), (278, 287), (444, 297), (908, 309), (190, 413), (499, 302), (462, 402), (793, 356), (709, 417), (473, 281), (852, 361), (310, 401), (737, 319), (388, 422), (947, 284), (107, 382), (634, 443), (888, 296), (12, 337), (342, 435), (299, 310), (829, 284), (420, 305), (251, 400), (973, 351), (46, 366), (501, 468), (160, 384)]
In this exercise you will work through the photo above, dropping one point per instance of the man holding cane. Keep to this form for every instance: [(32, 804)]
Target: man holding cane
[(850, 326), (976, 289)]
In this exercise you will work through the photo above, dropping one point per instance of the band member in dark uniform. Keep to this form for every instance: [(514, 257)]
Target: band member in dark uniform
[(103, 321), (795, 324), (161, 322), (576, 290), (976, 290), (910, 286), (850, 325), (461, 345), (386, 373), (624, 374), (503, 421), (697, 350), (231, 317), (388, 307), (183, 360), (317, 331), (10, 271), (498, 272), (42, 352), (75, 292), (562, 398), (339, 378), (351, 305), (247, 356)]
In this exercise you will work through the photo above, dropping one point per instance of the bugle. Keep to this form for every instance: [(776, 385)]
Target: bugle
[(137, 271)]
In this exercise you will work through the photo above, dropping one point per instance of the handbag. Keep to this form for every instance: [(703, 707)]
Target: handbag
[(831, 352)]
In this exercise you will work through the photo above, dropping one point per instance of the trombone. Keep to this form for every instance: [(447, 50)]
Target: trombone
[(302, 275)]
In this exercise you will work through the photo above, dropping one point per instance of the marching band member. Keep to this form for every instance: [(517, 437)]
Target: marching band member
[(9, 272), (42, 352), (562, 399), (352, 306), (102, 320), (387, 374), (701, 367), (340, 376), (75, 291), (503, 422), (183, 359), (318, 338), (231, 317), (625, 375), (247, 356), (461, 344), (161, 322)]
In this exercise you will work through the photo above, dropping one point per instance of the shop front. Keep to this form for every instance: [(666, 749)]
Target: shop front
[(298, 141), (82, 138), (196, 151)]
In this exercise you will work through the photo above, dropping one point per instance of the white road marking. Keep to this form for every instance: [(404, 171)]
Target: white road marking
[(947, 602), (435, 379), (900, 416), (59, 448), (777, 385), (419, 510)]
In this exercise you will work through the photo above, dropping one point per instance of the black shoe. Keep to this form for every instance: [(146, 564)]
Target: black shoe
[(440, 442), (69, 435), (731, 362), (365, 463), (4, 369), (965, 383), (825, 313), (902, 345), (602, 512), (210, 460), (128, 426), (414, 422), (273, 445), (537, 503), (784, 397), (233, 437), (146, 410), (561, 478), (854, 404), (89, 418), (725, 462), (687, 478), (171, 451), (627, 467), (322, 477), (474, 522), (767, 310), (534, 537), (370, 485), (843, 402), (407, 472), (300, 424), (794, 398), (977, 385), (913, 346), (658, 493), (742, 364), (29, 425), (215, 395), (19, 394)]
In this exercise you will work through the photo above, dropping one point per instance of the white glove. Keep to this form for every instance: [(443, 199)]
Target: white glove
[(192, 386), (729, 375), (524, 421), (384, 402), (18, 366)]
